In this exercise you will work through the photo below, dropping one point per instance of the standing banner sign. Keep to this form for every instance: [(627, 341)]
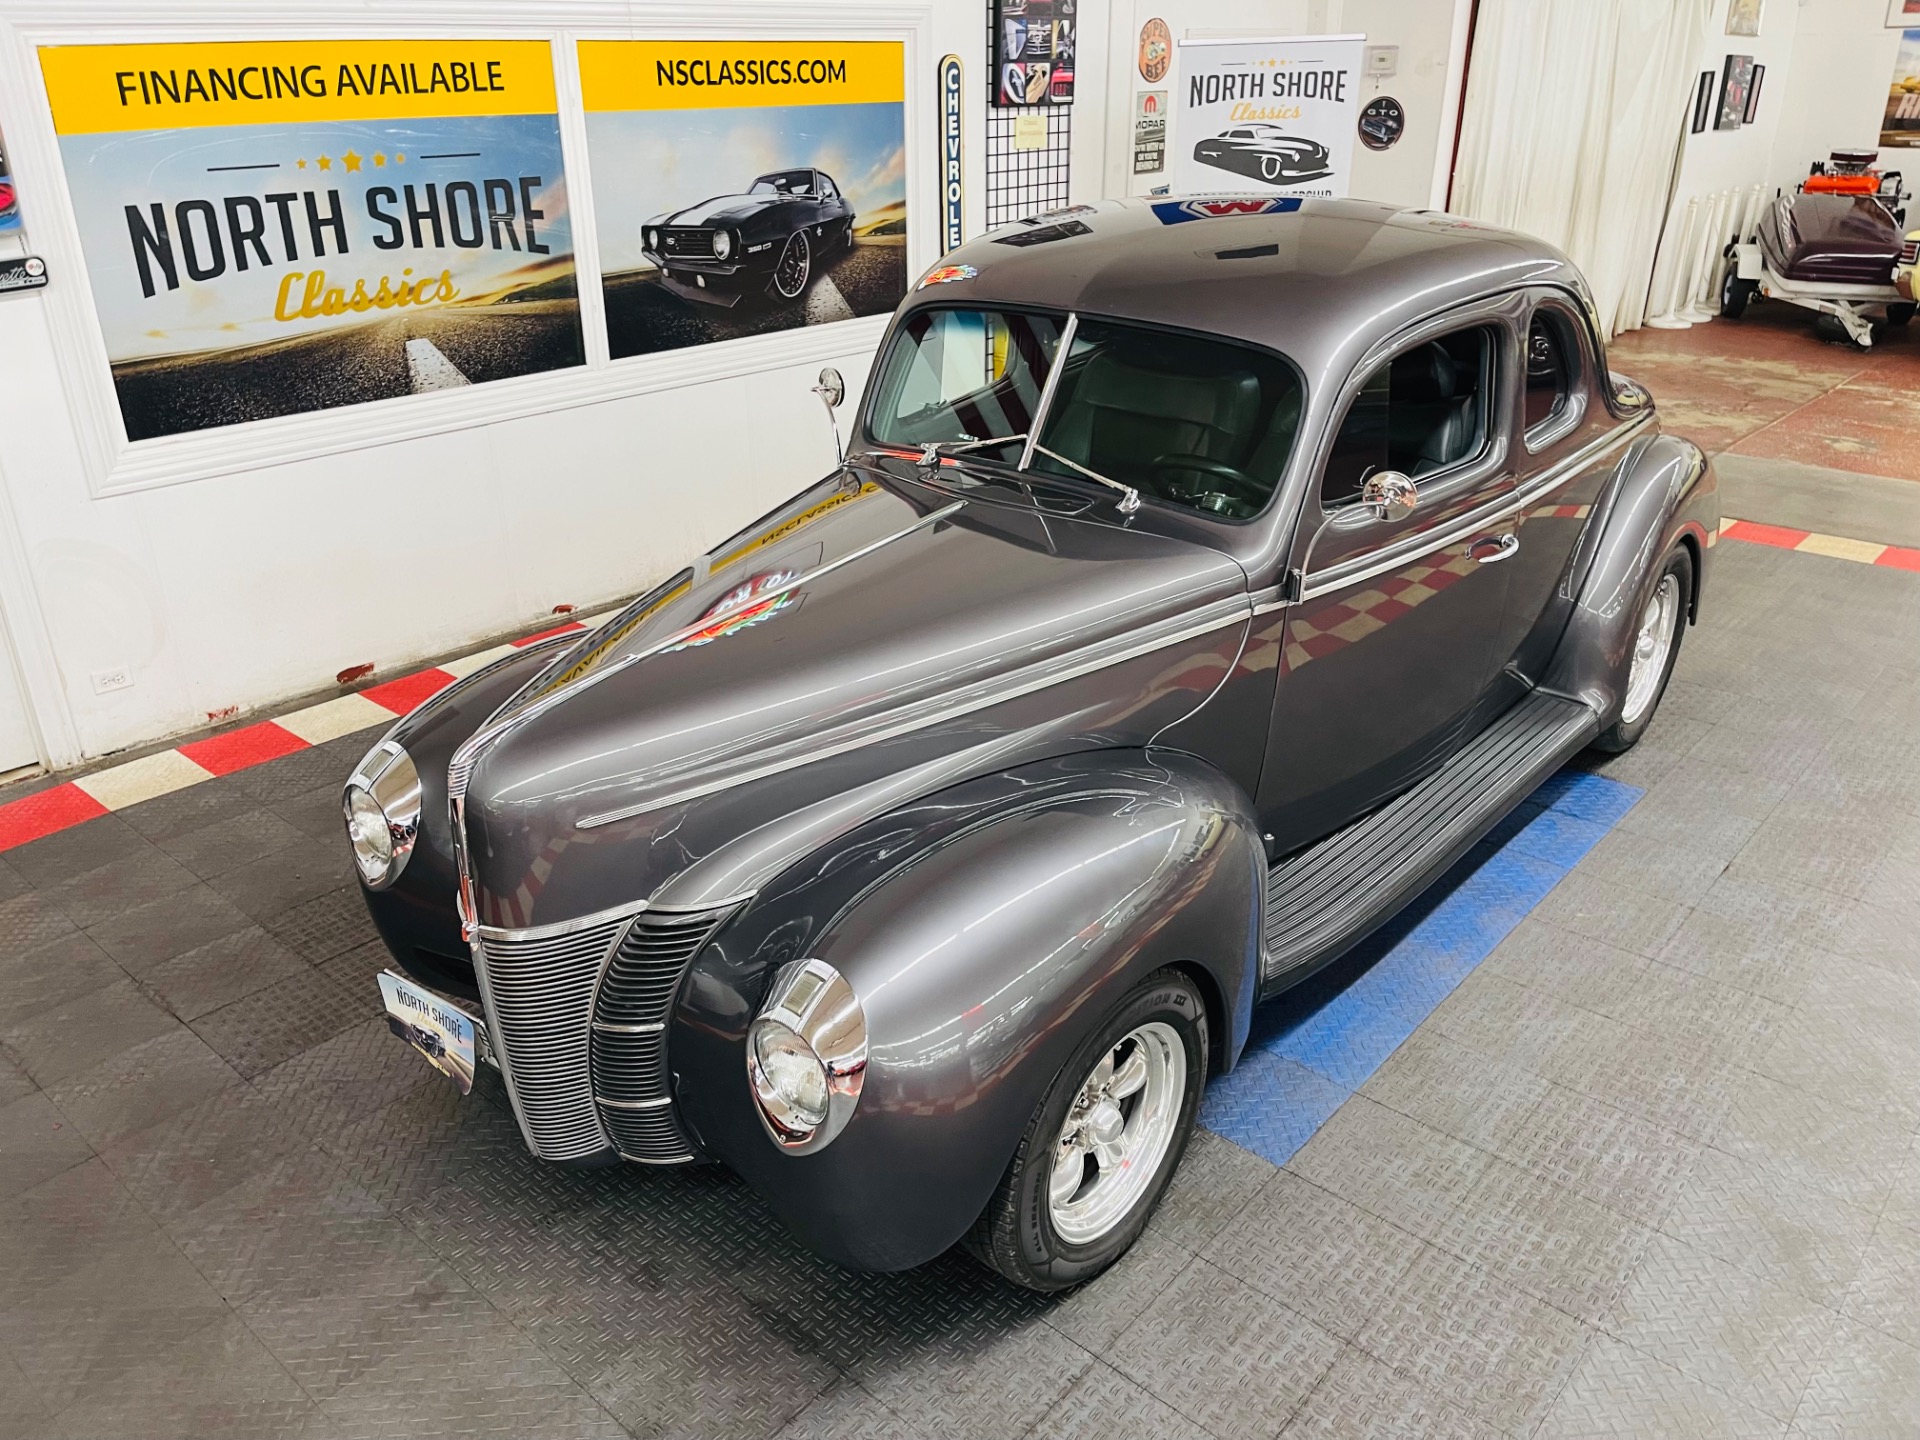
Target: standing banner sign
[(274, 227), (742, 186), (1267, 116)]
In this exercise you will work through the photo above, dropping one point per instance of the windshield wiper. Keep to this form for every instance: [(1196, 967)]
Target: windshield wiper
[(933, 451), (1129, 497)]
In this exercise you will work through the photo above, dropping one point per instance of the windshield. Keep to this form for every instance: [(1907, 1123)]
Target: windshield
[(791, 182), (1187, 420)]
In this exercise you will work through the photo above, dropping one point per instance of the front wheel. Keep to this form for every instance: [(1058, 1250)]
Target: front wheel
[(1734, 295), (1656, 645), (1104, 1143)]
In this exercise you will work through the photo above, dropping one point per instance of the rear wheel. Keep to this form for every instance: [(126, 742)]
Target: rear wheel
[(1103, 1144), (1656, 645), (792, 270), (1899, 315), (1734, 295)]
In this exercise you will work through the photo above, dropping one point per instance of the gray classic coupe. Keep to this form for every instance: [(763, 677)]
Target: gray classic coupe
[(1198, 587)]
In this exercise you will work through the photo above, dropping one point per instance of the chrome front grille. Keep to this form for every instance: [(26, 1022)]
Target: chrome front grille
[(686, 244), (631, 1085), (539, 993)]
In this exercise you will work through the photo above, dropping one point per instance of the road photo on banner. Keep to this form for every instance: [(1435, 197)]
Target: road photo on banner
[(291, 226), (741, 188)]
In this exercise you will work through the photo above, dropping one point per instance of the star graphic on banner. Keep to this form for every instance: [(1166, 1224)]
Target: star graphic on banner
[(399, 159), (325, 162), (379, 159), (352, 161), (301, 163)]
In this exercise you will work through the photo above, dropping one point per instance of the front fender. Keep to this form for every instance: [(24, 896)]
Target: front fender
[(985, 929), (1666, 494)]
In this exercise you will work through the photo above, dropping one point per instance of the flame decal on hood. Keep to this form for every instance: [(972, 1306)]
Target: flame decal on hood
[(742, 595)]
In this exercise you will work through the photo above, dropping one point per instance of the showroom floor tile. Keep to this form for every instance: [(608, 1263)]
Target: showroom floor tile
[(1617, 1134)]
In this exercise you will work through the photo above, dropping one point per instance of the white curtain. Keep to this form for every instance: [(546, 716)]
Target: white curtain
[(1573, 118)]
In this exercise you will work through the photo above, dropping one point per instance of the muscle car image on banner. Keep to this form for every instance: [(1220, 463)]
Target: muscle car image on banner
[(744, 186), (1267, 115), (284, 226)]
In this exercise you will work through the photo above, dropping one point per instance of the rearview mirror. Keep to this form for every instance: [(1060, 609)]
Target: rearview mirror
[(1389, 495), (831, 389)]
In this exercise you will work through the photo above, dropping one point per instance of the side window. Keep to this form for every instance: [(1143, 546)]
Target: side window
[(1420, 412), (1550, 372), (825, 188)]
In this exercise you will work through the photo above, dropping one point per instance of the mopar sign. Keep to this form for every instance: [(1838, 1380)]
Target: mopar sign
[(950, 181)]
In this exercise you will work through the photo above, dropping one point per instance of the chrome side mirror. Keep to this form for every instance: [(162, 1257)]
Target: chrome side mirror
[(832, 390), (1389, 495)]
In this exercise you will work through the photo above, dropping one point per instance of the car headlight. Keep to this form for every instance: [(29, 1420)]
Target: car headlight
[(651, 236), (722, 244), (807, 1056), (382, 808)]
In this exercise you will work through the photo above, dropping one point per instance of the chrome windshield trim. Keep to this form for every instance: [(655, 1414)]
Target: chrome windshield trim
[(994, 691), (561, 927), (1366, 567)]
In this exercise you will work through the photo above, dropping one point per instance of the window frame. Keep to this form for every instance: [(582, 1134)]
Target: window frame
[(1571, 412)]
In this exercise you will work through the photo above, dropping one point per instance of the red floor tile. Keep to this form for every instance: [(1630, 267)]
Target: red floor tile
[(1867, 428), (44, 812), (1758, 534), (1900, 558), (403, 694), (238, 749), (556, 630)]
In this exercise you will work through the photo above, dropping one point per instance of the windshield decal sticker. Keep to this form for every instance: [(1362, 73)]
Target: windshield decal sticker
[(1178, 212), (942, 274)]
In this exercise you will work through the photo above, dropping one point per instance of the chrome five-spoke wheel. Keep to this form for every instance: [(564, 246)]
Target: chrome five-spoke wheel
[(1117, 1132), (1658, 624)]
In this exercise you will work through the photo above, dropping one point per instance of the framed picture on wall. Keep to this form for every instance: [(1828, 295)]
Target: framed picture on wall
[(1734, 80), (1903, 14), (1743, 17), (1753, 95), (1703, 101)]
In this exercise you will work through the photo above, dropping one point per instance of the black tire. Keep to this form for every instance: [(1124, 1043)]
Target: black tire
[(1623, 734), (796, 263), (1900, 314), (1015, 1234), (1734, 295)]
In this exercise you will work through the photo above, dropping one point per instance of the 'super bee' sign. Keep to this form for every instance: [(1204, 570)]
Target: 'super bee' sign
[(279, 226)]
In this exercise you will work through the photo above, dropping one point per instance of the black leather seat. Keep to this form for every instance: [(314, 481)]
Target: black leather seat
[(1434, 417), (1123, 416)]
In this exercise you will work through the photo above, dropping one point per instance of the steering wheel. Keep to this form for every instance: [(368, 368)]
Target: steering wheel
[(1219, 469)]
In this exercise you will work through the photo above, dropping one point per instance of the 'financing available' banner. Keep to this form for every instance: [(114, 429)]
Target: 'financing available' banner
[(1267, 116), (742, 186), (284, 226)]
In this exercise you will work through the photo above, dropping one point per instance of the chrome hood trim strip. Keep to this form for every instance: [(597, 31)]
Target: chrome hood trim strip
[(998, 689)]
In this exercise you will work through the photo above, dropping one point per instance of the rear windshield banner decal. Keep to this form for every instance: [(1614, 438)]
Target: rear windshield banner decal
[(742, 187), (284, 226), (1266, 116)]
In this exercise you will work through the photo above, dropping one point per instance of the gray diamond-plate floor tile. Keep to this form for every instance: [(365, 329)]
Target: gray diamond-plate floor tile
[(37, 1142), (1315, 1253), (329, 1086), (846, 1412), (1886, 1292), (1225, 1355), (1363, 1399), (205, 1150), (1103, 1403), (1620, 1392), (1628, 1164), (322, 928), (141, 1086), (1573, 969), (73, 1037), (983, 1383), (1748, 1337), (1215, 1179), (1398, 1169), (1456, 1090), (1461, 1333), (1869, 1384), (62, 1226), (146, 936), (1847, 1153), (1093, 1316), (49, 974), (221, 971), (276, 1023)]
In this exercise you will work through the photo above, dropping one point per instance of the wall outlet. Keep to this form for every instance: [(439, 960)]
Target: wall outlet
[(120, 677)]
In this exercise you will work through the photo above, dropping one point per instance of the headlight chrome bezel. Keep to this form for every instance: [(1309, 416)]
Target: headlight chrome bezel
[(388, 781), (722, 244), (813, 1003)]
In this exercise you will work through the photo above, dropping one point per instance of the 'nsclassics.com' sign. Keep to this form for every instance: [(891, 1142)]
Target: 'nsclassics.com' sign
[(287, 226), (1267, 115)]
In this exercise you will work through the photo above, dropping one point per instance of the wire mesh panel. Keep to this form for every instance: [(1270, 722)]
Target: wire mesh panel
[(1025, 182)]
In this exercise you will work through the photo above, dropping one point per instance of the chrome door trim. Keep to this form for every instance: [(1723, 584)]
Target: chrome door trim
[(994, 691), (1416, 547)]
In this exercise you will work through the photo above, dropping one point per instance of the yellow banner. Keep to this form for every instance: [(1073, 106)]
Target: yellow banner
[(736, 74), (95, 89)]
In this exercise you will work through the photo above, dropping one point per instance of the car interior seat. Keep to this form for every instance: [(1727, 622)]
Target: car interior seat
[(1122, 416), (1434, 417)]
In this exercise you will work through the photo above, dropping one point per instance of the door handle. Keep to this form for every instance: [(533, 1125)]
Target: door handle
[(1490, 549)]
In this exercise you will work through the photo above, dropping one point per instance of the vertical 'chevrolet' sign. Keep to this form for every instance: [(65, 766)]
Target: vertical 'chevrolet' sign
[(950, 183)]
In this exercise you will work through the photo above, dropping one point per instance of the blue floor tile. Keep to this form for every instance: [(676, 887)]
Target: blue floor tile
[(1270, 1105)]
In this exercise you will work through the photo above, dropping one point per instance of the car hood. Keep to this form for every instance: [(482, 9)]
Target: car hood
[(873, 627), (722, 207)]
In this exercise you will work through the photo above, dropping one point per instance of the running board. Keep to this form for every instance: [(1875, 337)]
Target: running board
[(1326, 899)]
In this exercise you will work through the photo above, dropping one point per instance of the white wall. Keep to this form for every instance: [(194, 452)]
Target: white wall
[(1843, 58), (238, 584), (1423, 29), (1717, 160)]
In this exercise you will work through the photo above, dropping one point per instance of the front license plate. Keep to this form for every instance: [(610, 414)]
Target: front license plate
[(436, 1029)]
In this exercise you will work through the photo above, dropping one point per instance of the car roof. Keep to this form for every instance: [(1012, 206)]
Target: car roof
[(1319, 280)]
